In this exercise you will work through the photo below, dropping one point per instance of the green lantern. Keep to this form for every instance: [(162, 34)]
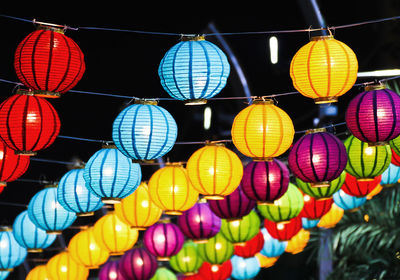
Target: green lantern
[(240, 231), (163, 273), (217, 250), (187, 261), (285, 208), (366, 162), (322, 192), (395, 145)]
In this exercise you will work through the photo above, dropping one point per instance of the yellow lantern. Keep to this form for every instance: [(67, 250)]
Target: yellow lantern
[(171, 190), (63, 267), (137, 209), (38, 273), (298, 242), (84, 249), (262, 131), (375, 191), (324, 69), (264, 261), (214, 170), (332, 217), (114, 235)]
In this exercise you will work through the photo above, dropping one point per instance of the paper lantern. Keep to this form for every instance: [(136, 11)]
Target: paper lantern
[(272, 247), (216, 271), (330, 219), (348, 202), (359, 188), (315, 208), (264, 261), (238, 232), (29, 236), (373, 116), (187, 260), (375, 191), (395, 145), (28, 123), (250, 247), (74, 196), (262, 130), (322, 192), (63, 267), (309, 223), (366, 162), (171, 190), (395, 158), (390, 176), (163, 273), (4, 274), (46, 212), (199, 223), (113, 235), (110, 271), (234, 206), (283, 231), (193, 70), (317, 157), (217, 250), (12, 166), (38, 273), (284, 208), (144, 131), (84, 249), (111, 175), (298, 242), (11, 253), (324, 69), (244, 268), (137, 209), (138, 264), (265, 181), (214, 170), (49, 62)]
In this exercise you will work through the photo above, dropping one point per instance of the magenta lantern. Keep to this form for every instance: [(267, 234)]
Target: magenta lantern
[(373, 116), (163, 240), (138, 264), (110, 271)]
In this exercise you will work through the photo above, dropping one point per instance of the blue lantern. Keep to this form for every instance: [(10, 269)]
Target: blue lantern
[(74, 196), (346, 201), (111, 175), (144, 131), (194, 70), (4, 274), (11, 253), (272, 247), (308, 223), (46, 212), (244, 268), (29, 236), (390, 176)]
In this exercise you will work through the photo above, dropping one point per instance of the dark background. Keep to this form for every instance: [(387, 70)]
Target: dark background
[(125, 63)]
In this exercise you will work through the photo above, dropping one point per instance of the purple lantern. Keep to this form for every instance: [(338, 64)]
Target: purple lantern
[(318, 157), (265, 181), (110, 271), (199, 222), (373, 116), (163, 240), (138, 264), (233, 206)]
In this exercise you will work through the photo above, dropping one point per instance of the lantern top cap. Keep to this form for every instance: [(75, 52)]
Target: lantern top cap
[(49, 26), (177, 164), (5, 228), (146, 101), (322, 37), (214, 143), (164, 220), (316, 130), (374, 87), (192, 37), (263, 100), (47, 186)]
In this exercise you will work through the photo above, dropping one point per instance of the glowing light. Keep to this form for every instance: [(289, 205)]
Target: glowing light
[(118, 228), (108, 171), (307, 197), (3, 244), (145, 203), (273, 49), (366, 218), (368, 151), (92, 246), (214, 268), (381, 113), (280, 226), (160, 238), (31, 117), (113, 275), (64, 268), (207, 118), (211, 170), (139, 262), (186, 259), (316, 158), (218, 246), (235, 223)]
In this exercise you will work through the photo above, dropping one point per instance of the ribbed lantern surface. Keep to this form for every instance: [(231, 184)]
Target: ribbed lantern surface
[(250, 247), (12, 166), (283, 231), (322, 192), (62, 266), (38, 272), (244, 268), (11, 253), (138, 264), (348, 202), (187, 261), (217, 250), (216, 271), (315, 208), (240, 231), (298, 242), (111, 271), (359, 188), (390, 176), (272, 247), (330, 219)]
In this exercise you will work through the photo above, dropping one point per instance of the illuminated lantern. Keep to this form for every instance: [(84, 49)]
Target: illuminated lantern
[(46, 212), (217, 250), (187, 261), (12, 166), (214, 170), (137, 209), (63, 267), (324, 69), (317, 157), (4, 274), (244, 268), (395, 158), (378, 121), (348, 202), (110, 271), (11, 253), (37, 273), (171, 190), (238, 232), (28, 123), (74, 196), (163, 273), (264, 261), (375, 191), (262, 130), (330, 219), (265, 181), (283, 231), (163, 240), (138, 264), (29, 236), (322, 192), (308, 223), (113, 235), (250, 247), (366, 162), (395, 145), (298, 242), (284, 208), (49, 62), (199, 223), (359, 188), (144, 131), (390, 176), (233, 206), (216, 271), (272, 247), (84, 249), (193, 70), (315, 208), (111, 175)]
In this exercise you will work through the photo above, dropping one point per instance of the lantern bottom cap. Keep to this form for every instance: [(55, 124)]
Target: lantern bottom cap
[(46, 93), (326, 99), (387, 185), (365, 179), (214, 197), (354, 210), (138, 227), (111, 200), (262, 158), (54, 231), (265, 202), (85, 214), (323, 184), (173, 212), (200, 101), (379, 143), (234, 219), (92, 267), (239, 244), (163, 259), (143, 160), (35, 250), (190, 273), (3, 184), (200, 241), (116, 253), (26, 153), (6, 269)]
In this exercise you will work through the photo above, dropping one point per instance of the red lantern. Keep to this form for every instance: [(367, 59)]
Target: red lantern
[(283, 231), (315, 208), (12, 166), (395, 158), (28, 123), (251, 247), (49, 62), (359, 188), (216, 271)]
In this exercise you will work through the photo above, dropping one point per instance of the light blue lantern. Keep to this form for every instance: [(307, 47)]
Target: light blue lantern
[(308, 223), (29, 236), (144, 131), (244, 268), (46, 212), (390, 176), (4, 274), (272, 247), (194, 70), (74, 196), (11, 253), (346, 201), (111, 175)]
